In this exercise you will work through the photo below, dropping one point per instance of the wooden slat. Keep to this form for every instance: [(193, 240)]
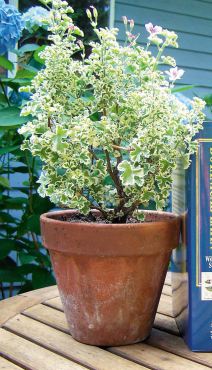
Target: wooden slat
[(167, 290), (155, 358), (43, 293), (172, 343), (168, 278), (40, 324), (32, 356), (12, 306), (54, 303), (165, 305), (65, 345), (7, 365), (166, 323), (48, 316)]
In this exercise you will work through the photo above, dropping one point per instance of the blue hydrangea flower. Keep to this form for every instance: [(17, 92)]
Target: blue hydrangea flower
[(17, 98), (35, 18), (11, 26)]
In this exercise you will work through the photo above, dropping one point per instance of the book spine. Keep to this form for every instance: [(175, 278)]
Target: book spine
[(196, 284), (203, 218), (199, 244)]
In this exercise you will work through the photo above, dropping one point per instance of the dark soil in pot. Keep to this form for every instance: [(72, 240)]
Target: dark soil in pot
[(110, 276), (97, 218)]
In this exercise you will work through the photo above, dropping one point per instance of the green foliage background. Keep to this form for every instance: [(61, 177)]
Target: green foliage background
[(24, 263), (79, 16)]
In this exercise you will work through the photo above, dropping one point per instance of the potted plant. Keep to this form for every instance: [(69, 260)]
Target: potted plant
[(109, 132)]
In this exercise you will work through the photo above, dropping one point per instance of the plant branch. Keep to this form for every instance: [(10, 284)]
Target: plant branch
[(160, 52), (122, 148), (30, 170), (132, 208), (104, 213), (33, 235), (98, 207), (112, 174), (115, 177), (94, 156)]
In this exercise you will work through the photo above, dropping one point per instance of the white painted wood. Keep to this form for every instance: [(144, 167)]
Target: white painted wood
[(112, 14)]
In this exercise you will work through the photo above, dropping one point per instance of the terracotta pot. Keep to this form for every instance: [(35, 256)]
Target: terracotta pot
[(110, 276)]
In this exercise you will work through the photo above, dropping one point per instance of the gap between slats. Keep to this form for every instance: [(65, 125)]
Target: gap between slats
[(8, 365), (45, 315), (64, 345), (155, 358), (52, 339), (31, 356)]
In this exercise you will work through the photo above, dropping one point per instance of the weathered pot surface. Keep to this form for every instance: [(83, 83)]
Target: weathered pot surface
[(110, 276)]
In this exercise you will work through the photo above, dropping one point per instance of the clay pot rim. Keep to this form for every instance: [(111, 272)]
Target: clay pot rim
[(169, 217)]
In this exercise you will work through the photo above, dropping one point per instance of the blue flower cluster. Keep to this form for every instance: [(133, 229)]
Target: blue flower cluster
[(11, 26), (35, 18), (17, 98)]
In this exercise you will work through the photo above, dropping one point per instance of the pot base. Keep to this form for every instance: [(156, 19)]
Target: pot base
[(110, 343)]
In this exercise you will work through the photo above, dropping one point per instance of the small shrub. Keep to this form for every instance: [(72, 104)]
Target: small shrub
[(107, 127)]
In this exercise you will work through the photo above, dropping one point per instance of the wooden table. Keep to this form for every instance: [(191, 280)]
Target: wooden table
[(34, 335)]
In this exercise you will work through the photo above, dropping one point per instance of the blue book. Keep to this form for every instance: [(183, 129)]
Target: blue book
[(192, 260)]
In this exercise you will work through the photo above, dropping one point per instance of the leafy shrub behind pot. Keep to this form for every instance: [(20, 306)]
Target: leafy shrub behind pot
[(24, 263), (108, 127)]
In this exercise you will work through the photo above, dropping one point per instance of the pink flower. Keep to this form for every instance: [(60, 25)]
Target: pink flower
[(153, 30), (71, 27), (131, 36), (124, 18), (175, 73), (131, 22)]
